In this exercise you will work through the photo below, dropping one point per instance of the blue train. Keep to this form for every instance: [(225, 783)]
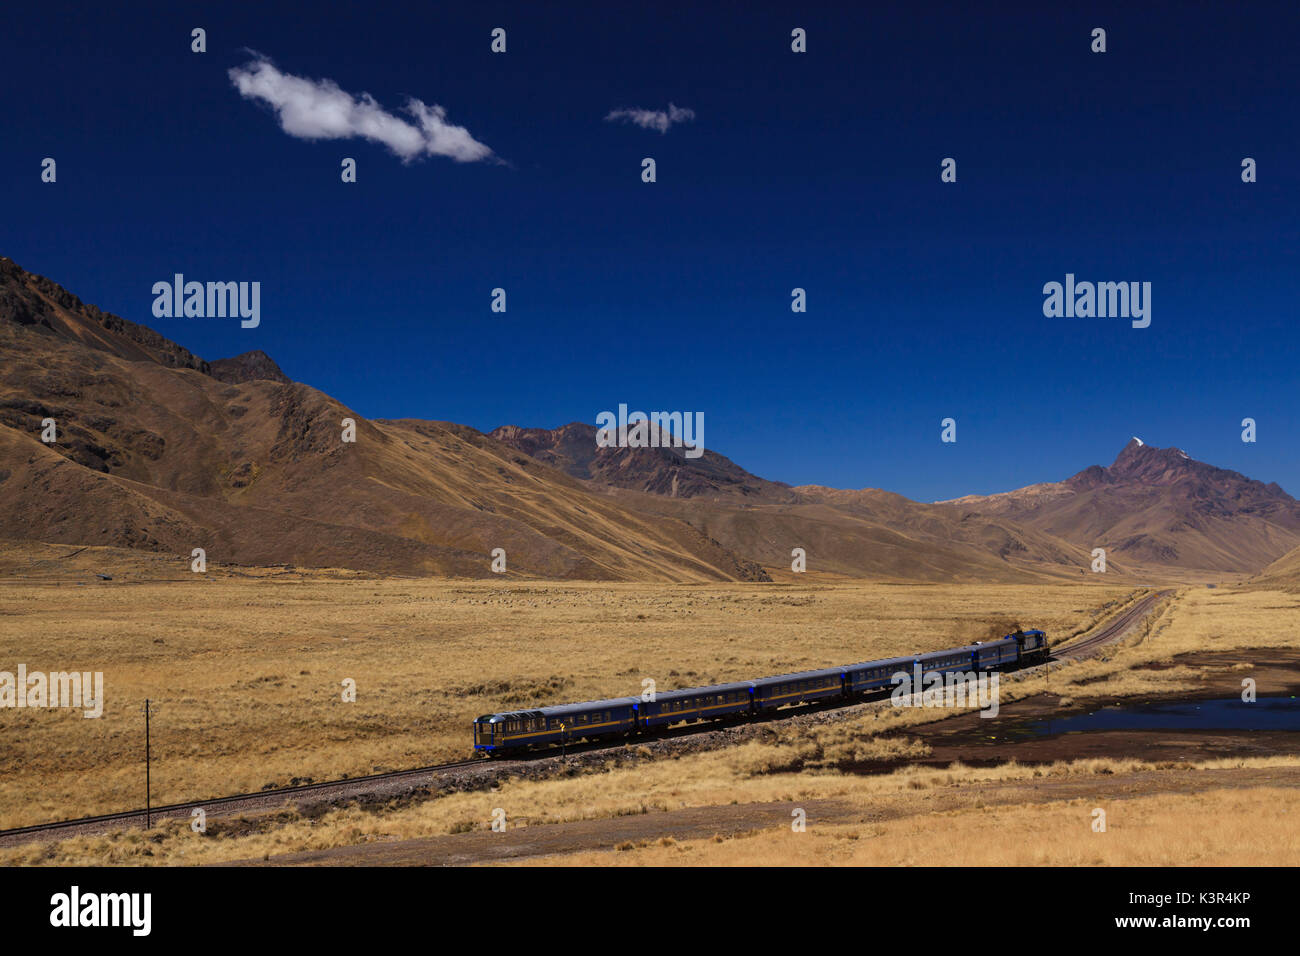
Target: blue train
[(623, 717)]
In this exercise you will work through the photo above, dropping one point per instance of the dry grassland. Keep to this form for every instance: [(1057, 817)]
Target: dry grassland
[(1199, 620), (1162, 813), (1219, 827), (1001, 815), (245, 671)]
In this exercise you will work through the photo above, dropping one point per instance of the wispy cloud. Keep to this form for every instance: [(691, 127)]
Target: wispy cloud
[(319, 109), (652, 119)]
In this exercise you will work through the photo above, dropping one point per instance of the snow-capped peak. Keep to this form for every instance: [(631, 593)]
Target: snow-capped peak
[(1139, 441)]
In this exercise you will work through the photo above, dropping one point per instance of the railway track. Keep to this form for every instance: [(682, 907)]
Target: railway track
[(372, 784), (260, 800), (1113, 631)]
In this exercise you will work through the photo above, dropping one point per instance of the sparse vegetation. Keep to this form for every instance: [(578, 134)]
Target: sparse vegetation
[(235, 711)]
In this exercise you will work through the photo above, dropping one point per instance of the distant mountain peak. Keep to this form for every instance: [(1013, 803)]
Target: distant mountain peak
[(32, 301), (249, 367), (1138, 461), (665, 470)]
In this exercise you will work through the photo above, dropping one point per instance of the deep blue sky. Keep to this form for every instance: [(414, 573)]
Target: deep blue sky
[(818, 170)]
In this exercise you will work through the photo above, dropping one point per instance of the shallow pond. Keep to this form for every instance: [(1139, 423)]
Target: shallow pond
[(1265, 713)]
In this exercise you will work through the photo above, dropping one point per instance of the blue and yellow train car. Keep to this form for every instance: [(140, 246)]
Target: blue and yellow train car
[(992, 655), (953, 659), (803, 687), (871, 676), (567, 723), (697, 703)]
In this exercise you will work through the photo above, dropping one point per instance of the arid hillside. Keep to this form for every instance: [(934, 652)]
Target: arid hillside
[(1158, 508), (157, 449), (867, 533), (664, 470), (1284, 573)]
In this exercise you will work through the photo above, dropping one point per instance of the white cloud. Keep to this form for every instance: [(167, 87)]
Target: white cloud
[(652, 119), (319, 109)]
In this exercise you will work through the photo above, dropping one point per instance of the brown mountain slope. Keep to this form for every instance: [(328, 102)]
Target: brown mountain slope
[(1284, 573), (158, 449), (663, 471), (1158, 508), (1155, 511), (892, 538), (855, 533)]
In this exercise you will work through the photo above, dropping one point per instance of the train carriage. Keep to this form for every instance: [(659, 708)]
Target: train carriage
[(953, 659), (803, 687), (566, 723), (991, 655), (697, 703), (871, 676)]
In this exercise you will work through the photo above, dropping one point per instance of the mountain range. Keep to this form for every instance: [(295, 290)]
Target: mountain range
[(158, 449)]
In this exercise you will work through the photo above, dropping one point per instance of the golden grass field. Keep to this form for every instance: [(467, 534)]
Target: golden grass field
[(245, 673), (1157, 814)]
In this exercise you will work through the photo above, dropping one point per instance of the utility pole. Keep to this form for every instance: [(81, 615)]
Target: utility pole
[(148, 809)]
